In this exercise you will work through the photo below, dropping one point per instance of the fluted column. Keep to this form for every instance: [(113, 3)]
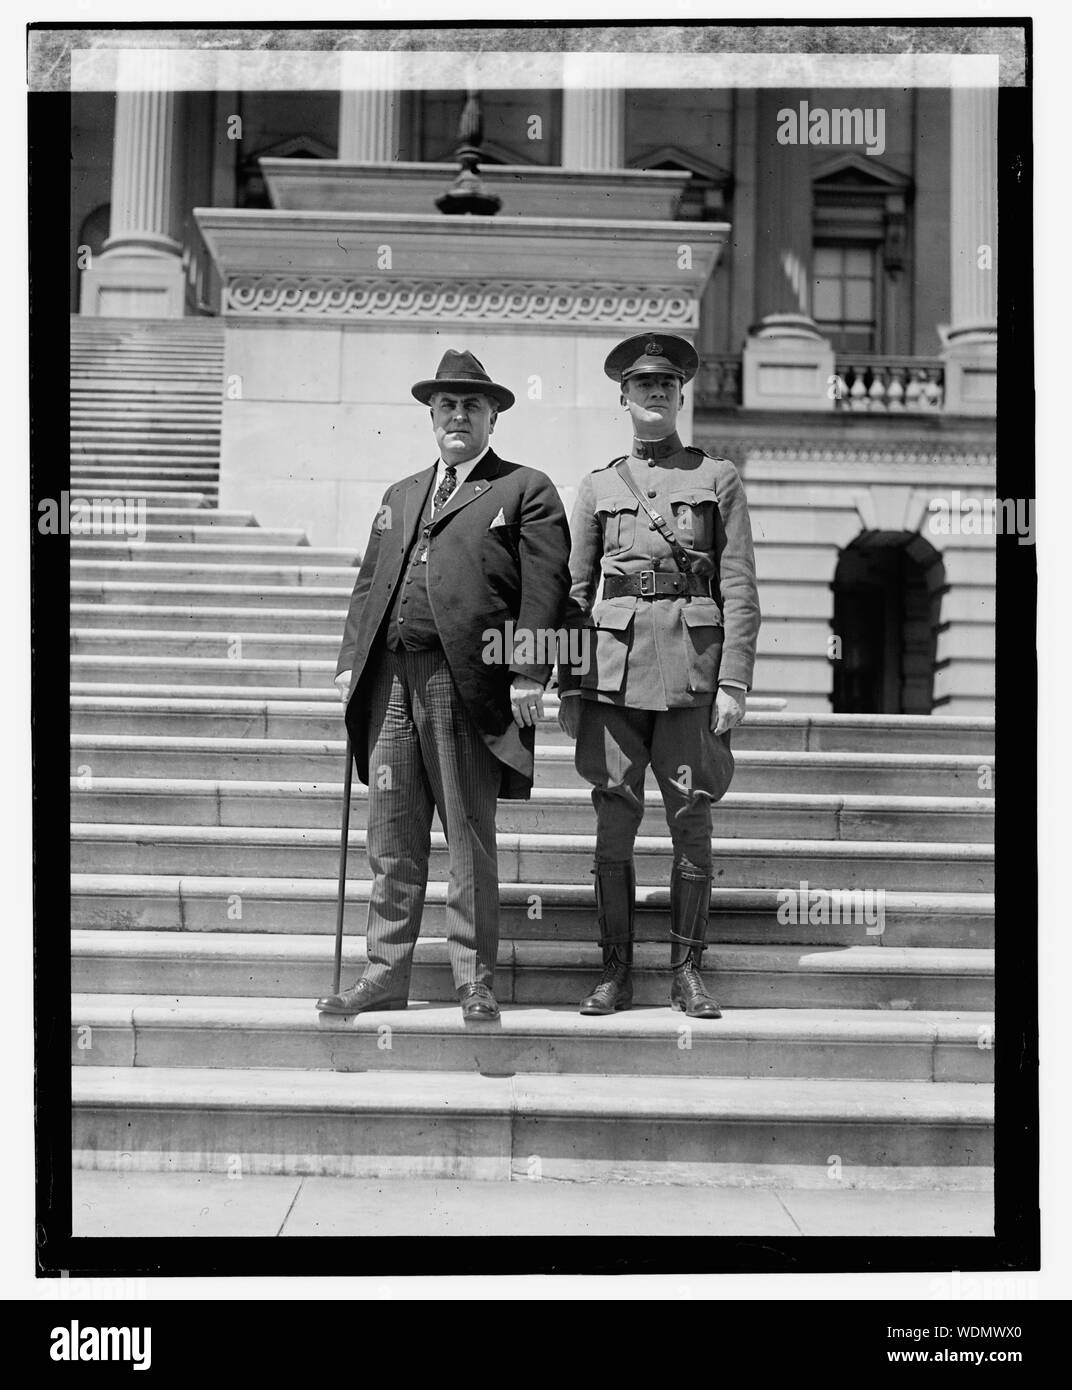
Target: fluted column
[(971, 337), (973, 211), (593, 112), (140, 271), (369, 109)]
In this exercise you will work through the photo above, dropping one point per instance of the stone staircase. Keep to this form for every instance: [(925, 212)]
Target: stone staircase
[(207, 758)]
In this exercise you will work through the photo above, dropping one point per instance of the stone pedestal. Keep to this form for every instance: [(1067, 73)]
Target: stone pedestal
[(330, 318), (787, 364), (140, 272)]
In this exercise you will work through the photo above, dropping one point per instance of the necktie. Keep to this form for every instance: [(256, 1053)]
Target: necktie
[(445, 488)]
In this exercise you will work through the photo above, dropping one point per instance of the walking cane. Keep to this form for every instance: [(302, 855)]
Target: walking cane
[(342, 864)]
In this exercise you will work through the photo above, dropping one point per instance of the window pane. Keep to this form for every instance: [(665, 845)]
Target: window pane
[(858, 261), (826, 299), (826, 260), (858, 300)]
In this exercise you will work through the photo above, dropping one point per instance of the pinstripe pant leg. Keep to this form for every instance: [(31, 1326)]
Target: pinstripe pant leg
[(400, 809), (464, 777)]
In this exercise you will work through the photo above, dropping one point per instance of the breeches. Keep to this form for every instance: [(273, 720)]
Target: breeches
[(615, 744)]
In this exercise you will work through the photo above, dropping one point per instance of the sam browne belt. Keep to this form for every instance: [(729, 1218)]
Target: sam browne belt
[(652, 584)]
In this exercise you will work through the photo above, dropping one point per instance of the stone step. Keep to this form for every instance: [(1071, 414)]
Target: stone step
[(154, 1029), (325, 695), (253, 758), (772, 730), (171, 494), (198, 576), (145, 466), (175, 439), (249, 851), (528, 911), (321, 621), (740, 815), (144, 473), (164, 514), (206, 552), (440, 1124), (107, 390), (198, 532), (226, 598), (195, 670)]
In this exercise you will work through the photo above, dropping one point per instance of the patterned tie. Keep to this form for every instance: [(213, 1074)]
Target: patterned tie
[(445, 488)]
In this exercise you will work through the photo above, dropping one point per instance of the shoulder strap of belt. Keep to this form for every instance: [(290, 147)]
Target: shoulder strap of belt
[(681, 556)]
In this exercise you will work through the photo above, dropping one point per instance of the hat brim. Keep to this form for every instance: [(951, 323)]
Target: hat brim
[(425, 390)]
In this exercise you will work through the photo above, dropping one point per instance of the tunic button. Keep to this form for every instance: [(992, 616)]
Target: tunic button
[(651, 492), (651, 463)]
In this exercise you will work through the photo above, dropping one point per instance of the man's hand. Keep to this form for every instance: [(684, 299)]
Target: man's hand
[(569, 714), (342, 685), (526, 701), (728, 710)]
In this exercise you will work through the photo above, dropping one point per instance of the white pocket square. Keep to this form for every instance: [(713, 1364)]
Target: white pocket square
[(500, 520)]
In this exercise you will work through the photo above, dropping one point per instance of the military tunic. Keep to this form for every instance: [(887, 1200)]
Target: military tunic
[(667, 652)]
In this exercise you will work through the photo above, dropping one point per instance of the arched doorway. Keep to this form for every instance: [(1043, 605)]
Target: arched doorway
[(888, 590)]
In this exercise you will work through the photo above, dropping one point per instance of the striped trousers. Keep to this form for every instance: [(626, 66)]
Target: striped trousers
[(425, 755)]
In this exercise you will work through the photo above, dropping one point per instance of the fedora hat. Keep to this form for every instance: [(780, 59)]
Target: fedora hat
[(461, 372), (652, 352)]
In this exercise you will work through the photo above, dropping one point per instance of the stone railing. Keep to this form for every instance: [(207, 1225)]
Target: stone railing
[(863, 383), (889, 385), (718, 382)]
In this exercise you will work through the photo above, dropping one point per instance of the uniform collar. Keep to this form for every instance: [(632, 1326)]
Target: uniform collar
[(655, 449)]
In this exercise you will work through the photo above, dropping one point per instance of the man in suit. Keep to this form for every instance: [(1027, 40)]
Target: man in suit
[(459, 549), (675, 640)]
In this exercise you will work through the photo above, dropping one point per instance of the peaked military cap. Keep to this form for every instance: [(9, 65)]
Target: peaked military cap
[(462, 373), (652, 352)]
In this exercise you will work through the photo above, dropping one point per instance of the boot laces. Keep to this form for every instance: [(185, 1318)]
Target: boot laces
[(691, 979)]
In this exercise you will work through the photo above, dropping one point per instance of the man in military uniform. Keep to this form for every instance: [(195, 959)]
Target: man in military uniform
[(671, 661)]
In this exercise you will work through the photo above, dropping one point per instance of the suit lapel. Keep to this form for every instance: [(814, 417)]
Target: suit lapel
[(478, 482), (416, 500)]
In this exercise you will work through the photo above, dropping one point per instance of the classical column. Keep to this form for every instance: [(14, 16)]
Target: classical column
[(369, 109), (140, 273), (593, 129), (971, 338), (593, 111), (787, 364)]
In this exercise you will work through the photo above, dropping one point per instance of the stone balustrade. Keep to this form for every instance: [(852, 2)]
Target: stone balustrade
[(862, 384), (889, 385)]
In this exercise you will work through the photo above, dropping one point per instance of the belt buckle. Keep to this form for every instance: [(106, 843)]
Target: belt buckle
[(647, 583)]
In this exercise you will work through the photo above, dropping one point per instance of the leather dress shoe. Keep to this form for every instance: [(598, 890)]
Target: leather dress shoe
[(478, 1004), (360, 998)]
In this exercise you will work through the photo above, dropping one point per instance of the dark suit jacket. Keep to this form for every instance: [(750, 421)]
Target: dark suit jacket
[(480, 576)]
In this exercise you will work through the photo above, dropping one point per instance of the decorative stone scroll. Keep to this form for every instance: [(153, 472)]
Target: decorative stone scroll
[(464, 301)]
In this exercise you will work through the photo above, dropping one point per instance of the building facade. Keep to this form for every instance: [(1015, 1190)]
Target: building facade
[(831, 252)]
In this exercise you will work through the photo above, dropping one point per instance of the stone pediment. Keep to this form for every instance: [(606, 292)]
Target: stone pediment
[(851, 172)]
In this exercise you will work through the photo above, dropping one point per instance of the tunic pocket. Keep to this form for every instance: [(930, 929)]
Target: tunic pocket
[(619, 516), (702, 628), (613, 634), (693, 512)]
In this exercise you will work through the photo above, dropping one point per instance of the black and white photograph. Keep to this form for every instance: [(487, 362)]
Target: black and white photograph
[(548, 539)]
